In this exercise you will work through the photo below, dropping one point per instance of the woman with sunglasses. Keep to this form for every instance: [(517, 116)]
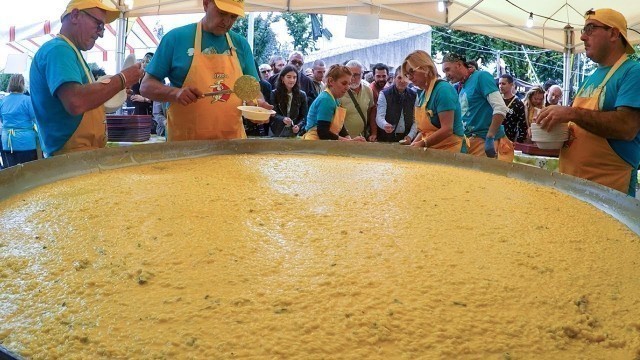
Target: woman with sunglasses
[(325, 120), (437, 111), (290, 105)]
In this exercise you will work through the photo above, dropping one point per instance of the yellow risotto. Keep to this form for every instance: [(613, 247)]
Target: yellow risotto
[(313, 257)]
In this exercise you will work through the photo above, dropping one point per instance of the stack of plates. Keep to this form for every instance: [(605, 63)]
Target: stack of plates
[(129, 128), (552, 139)]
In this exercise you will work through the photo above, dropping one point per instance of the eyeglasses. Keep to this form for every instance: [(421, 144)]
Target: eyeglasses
[(264, 71), (99, 22), (356, 74), (297, 62), (588, 29)]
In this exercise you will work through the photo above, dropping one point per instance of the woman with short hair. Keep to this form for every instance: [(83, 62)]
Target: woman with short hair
[(18, 119)]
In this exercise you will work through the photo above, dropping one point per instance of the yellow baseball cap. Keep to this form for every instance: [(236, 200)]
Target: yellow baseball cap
[(613, 19), (231, 6), (112, 13)]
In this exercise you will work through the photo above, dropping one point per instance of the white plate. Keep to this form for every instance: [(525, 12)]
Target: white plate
[(256, 113), (129, 61), (115, 103)]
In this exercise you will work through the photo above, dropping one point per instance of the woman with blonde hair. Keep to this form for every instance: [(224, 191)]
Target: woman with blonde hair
[(18, 118), (325, 120), (532, 101), (437, 112)]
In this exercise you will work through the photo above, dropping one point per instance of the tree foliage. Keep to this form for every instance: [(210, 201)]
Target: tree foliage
[(264, 39), (299, 28), (547, 64), (4, 81)]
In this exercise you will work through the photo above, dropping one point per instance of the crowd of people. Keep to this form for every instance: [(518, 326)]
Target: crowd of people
[(468, 112)]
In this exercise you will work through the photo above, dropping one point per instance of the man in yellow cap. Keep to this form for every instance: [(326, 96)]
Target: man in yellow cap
[(604, 121), (198, 58), (68, 103)]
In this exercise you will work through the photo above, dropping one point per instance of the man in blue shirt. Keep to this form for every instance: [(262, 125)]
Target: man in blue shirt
[(198, 58), (483, 109), (604, 121), (68, 103)]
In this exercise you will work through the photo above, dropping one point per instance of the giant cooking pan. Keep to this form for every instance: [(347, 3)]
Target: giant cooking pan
[(28, 176), (23, 177)]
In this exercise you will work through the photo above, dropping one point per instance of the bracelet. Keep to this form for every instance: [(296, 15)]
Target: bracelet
[(123, 80)]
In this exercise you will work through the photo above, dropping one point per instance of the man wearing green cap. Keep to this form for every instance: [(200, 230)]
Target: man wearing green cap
[(199, 58), (604, 121), (67, 102)]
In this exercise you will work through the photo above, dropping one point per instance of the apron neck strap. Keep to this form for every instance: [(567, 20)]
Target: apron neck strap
[(80, 58), (197, 46), (612, 71), (428, 92)]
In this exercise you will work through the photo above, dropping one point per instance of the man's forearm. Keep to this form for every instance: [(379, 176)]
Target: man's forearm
[(496, 121), (622, 124), (153, 89)]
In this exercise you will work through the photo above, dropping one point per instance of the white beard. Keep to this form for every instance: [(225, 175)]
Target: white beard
[(354, 86)]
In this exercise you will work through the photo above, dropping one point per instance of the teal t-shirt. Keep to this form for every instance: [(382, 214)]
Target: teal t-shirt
[(54, 64), (174, 55), (622, 89), (16, 113), (322, 109), (476, 110), (443, 98)]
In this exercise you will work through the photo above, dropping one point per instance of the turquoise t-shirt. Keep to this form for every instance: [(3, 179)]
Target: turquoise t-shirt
[(443, 98), (16, 113), (54, 64), (322, 109), (623, 89), (476, 110), (174, 55)]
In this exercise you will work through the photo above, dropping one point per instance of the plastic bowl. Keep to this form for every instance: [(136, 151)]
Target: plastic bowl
[(549, 144), (256, 113)]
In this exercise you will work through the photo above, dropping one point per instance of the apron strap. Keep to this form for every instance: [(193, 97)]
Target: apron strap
[(613, 69), (85, 67)]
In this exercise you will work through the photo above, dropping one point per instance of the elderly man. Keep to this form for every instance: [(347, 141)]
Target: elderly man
[(358, 101), (604, 122), (198, 58), (553, 95), (483, 109), (67, 101), (265, 72)]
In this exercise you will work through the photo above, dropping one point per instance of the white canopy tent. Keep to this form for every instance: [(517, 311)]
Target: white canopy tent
[(556, 23)]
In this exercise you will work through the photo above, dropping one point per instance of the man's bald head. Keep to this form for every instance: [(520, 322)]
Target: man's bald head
[(554, 95)]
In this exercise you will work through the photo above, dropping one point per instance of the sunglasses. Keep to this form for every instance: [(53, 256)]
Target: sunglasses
[(264, 71), (296, 62)]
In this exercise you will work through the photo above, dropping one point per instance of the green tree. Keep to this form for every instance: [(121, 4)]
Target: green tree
[(264, 39), (547, 64), (299, 28), (4, 81)]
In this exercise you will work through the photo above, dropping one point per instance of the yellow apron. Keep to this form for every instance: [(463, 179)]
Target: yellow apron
[(590, 156), (453, 143), (336, 123), (209, 118), (504, 147), (91, 133)]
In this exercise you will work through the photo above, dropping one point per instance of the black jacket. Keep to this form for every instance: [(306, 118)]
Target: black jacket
[(297, 113)]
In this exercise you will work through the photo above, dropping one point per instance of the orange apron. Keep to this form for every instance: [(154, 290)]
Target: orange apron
[(336, 123), (90, 133), (589, 156), (504, 147), (210, 118), (453, 143)]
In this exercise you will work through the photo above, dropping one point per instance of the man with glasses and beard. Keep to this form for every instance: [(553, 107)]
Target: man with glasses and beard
[(67, 101), (604, 121), (358, 101)]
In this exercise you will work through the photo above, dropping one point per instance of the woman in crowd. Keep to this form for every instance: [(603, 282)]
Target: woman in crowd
[(437, 111), (532, 101), (325, 120), (143, 106), (18, 119), (290, 105)]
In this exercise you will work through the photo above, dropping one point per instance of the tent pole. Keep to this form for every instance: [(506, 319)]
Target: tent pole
[(251, 30), (120, 41), (566, 69)]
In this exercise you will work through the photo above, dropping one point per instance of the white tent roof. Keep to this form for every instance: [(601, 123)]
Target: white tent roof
[(505, 19)]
